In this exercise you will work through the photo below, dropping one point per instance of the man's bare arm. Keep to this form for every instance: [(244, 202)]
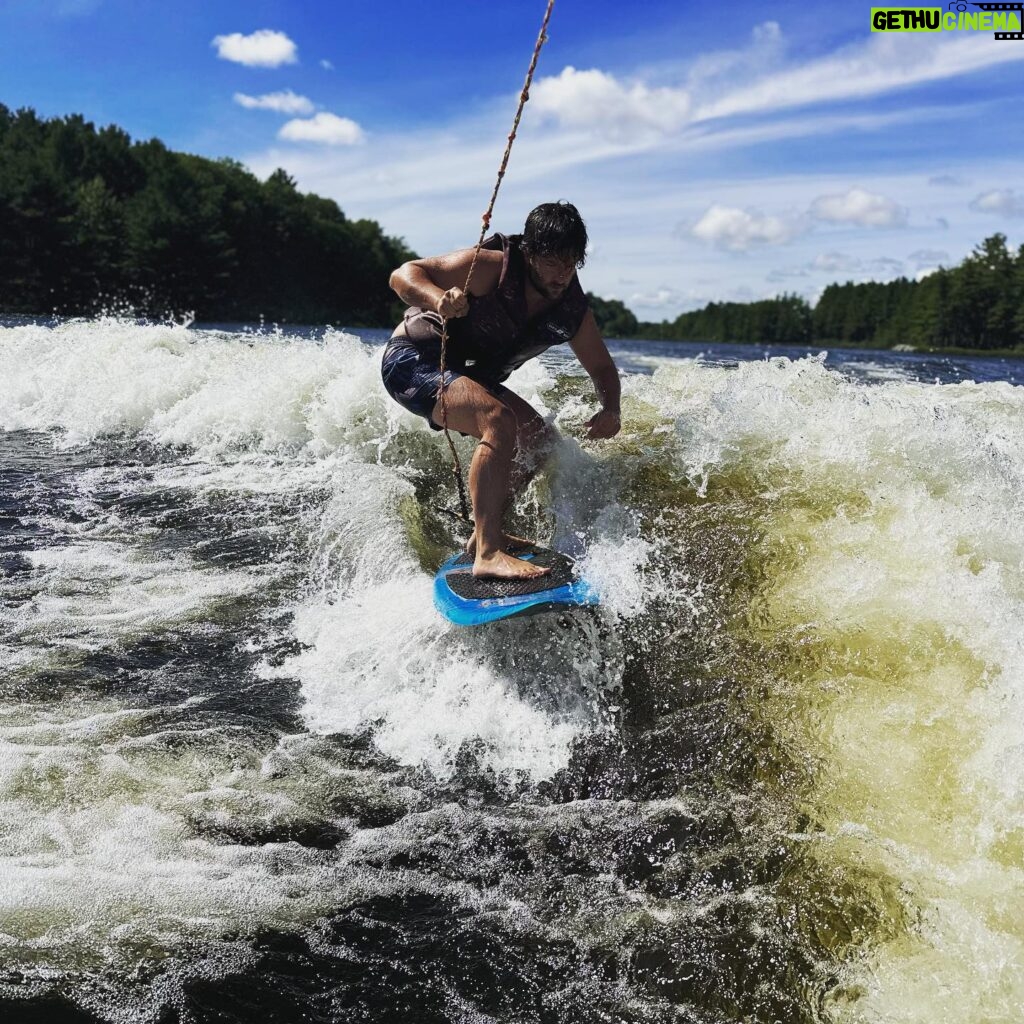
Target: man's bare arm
[(437, 282), (589, 348)]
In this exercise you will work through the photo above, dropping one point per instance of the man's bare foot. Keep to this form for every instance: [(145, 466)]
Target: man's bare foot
[(509, 543), (503, 566)]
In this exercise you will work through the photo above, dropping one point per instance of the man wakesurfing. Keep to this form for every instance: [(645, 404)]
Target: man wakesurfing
[(524, 297)]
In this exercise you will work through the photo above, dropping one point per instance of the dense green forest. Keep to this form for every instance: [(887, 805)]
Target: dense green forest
[(783, 320), (613, 319), (976, 305), (90, 220)]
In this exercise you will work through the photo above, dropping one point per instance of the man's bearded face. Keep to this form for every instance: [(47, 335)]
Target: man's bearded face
[(551, 275)]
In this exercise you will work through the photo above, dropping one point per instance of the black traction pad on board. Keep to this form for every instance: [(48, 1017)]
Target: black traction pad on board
[(472, 588)]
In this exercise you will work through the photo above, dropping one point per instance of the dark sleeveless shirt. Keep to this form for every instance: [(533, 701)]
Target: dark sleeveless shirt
[(496, 336)]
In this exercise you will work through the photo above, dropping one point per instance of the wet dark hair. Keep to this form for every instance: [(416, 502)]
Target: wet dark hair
[(556, 229)]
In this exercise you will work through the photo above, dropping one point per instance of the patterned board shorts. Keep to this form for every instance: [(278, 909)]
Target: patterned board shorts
[(412, 377)]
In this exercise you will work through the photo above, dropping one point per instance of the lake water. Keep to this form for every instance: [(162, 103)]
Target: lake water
[(248, 773)]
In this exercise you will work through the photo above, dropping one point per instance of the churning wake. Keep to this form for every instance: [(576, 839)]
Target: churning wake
[(243, 763)]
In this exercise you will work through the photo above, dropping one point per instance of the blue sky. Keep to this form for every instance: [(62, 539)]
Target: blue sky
[(716, 151)]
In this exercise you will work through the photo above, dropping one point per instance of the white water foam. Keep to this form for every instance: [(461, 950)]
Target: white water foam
[(176, 386), (378, 652)]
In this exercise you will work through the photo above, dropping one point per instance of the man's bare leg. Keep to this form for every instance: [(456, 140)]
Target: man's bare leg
[(535, 441), (473, 410)]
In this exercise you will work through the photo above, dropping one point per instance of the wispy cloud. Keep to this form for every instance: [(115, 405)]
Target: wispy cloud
[(880, 65), (835, 262), (839, 266), (660, 298), (453, 165), (928, 257), (1002, 201), (325, 129), (885, 267), (947, 181), (286, 102), (262, 49), (326, 65), (749, 81)]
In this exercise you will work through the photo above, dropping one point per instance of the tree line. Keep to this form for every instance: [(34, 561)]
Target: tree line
[(90, 220), (978, 304)]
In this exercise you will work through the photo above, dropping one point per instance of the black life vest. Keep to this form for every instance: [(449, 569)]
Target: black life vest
[(496, 336)]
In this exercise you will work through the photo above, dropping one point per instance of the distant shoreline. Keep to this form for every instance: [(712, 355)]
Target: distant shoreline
[(999, 353), (265, 325)]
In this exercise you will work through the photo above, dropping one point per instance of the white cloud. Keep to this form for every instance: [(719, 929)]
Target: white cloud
[(1002, 201), (328, 129), (881, 64), (750, 81), (262, 49), (326, 65), (728, 227), (859, 207), (286, 102), (596, 100), (735, 228)]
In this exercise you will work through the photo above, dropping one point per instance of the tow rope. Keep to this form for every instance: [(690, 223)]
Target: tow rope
[(542, 38)]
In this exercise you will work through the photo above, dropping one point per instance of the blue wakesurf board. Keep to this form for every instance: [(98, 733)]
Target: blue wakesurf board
[(464, 599)]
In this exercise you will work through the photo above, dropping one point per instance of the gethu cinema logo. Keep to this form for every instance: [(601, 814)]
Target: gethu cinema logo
[(991, 18)]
